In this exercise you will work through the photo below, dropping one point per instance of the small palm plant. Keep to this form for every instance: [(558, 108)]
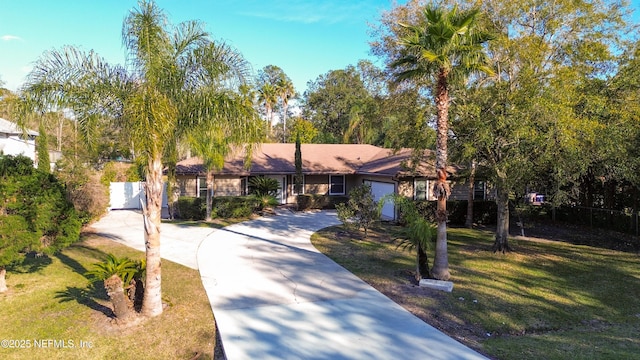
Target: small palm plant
[(265, 191), (260, 185), (420, 234), (114, 272)]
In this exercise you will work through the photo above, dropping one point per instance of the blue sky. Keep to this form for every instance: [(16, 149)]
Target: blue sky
[(306, 38)]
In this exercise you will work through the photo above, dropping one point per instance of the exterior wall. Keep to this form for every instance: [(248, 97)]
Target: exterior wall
[(224, 185), (351, 181), (316, 184), (458, 191), (360, 179), (13, 145), (227, 186), (406, 187), (188, 185), (409, 188)]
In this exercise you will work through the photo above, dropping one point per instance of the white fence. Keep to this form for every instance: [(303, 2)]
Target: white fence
[(127, 195)]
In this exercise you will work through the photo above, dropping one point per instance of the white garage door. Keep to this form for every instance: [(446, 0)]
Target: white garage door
[(380, 189)]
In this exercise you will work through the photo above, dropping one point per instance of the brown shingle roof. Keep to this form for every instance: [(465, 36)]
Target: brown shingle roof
[(317, 159)]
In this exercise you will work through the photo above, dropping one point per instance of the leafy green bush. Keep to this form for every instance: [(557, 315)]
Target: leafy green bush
[(484, 212), (233, 206), (346, 215), (35, 214), (360, 210), (40, 199), (319, 201), (109, 174), (190, 208), (265, 201), (15, 237)]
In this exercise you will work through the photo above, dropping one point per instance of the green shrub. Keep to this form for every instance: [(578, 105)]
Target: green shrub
[(360, 211), (233, 206), (190, 208), (135, 173), (346, 215), (260, 185), (265, 201), (317, 201), (484, 212), (35, 215), (109, 174)]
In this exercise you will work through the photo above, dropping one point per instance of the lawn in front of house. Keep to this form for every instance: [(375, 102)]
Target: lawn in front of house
[(548, 299), (50, 312)]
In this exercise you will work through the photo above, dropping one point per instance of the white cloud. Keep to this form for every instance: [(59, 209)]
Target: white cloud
[(10, 38)]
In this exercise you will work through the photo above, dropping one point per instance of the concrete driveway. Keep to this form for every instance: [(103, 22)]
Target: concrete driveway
[(179, 243), (274, 296)]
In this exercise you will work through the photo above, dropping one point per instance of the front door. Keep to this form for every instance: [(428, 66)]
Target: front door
[(282, 191)]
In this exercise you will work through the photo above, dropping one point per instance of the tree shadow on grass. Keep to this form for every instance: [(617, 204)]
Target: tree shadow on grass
[(89, 295), (72, 263), (76, 266), (32, 262), (86, 296)]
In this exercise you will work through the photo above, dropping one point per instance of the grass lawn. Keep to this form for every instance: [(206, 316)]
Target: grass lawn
[(545, 300), (49, 305)]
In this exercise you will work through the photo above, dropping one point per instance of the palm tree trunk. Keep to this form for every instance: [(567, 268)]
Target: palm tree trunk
[(210, 184), (114, 288), (284, 122), (441, 189), (152, 302), (270, 119)]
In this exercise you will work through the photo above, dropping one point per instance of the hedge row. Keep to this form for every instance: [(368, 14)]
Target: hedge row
[(190, 208), (484, 212), (313, 201)]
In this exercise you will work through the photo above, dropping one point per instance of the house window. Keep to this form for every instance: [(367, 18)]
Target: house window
[(202, 187), (301, 186), (479, 190), (336, 185), (421, 189), (244, 185)]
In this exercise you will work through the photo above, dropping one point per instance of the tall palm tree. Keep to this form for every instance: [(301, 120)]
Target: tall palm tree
[(445, 47), (268, 95), (286, 91), (170, 83)]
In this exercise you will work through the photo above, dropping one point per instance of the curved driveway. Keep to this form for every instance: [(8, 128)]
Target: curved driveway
[(274, 296)]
